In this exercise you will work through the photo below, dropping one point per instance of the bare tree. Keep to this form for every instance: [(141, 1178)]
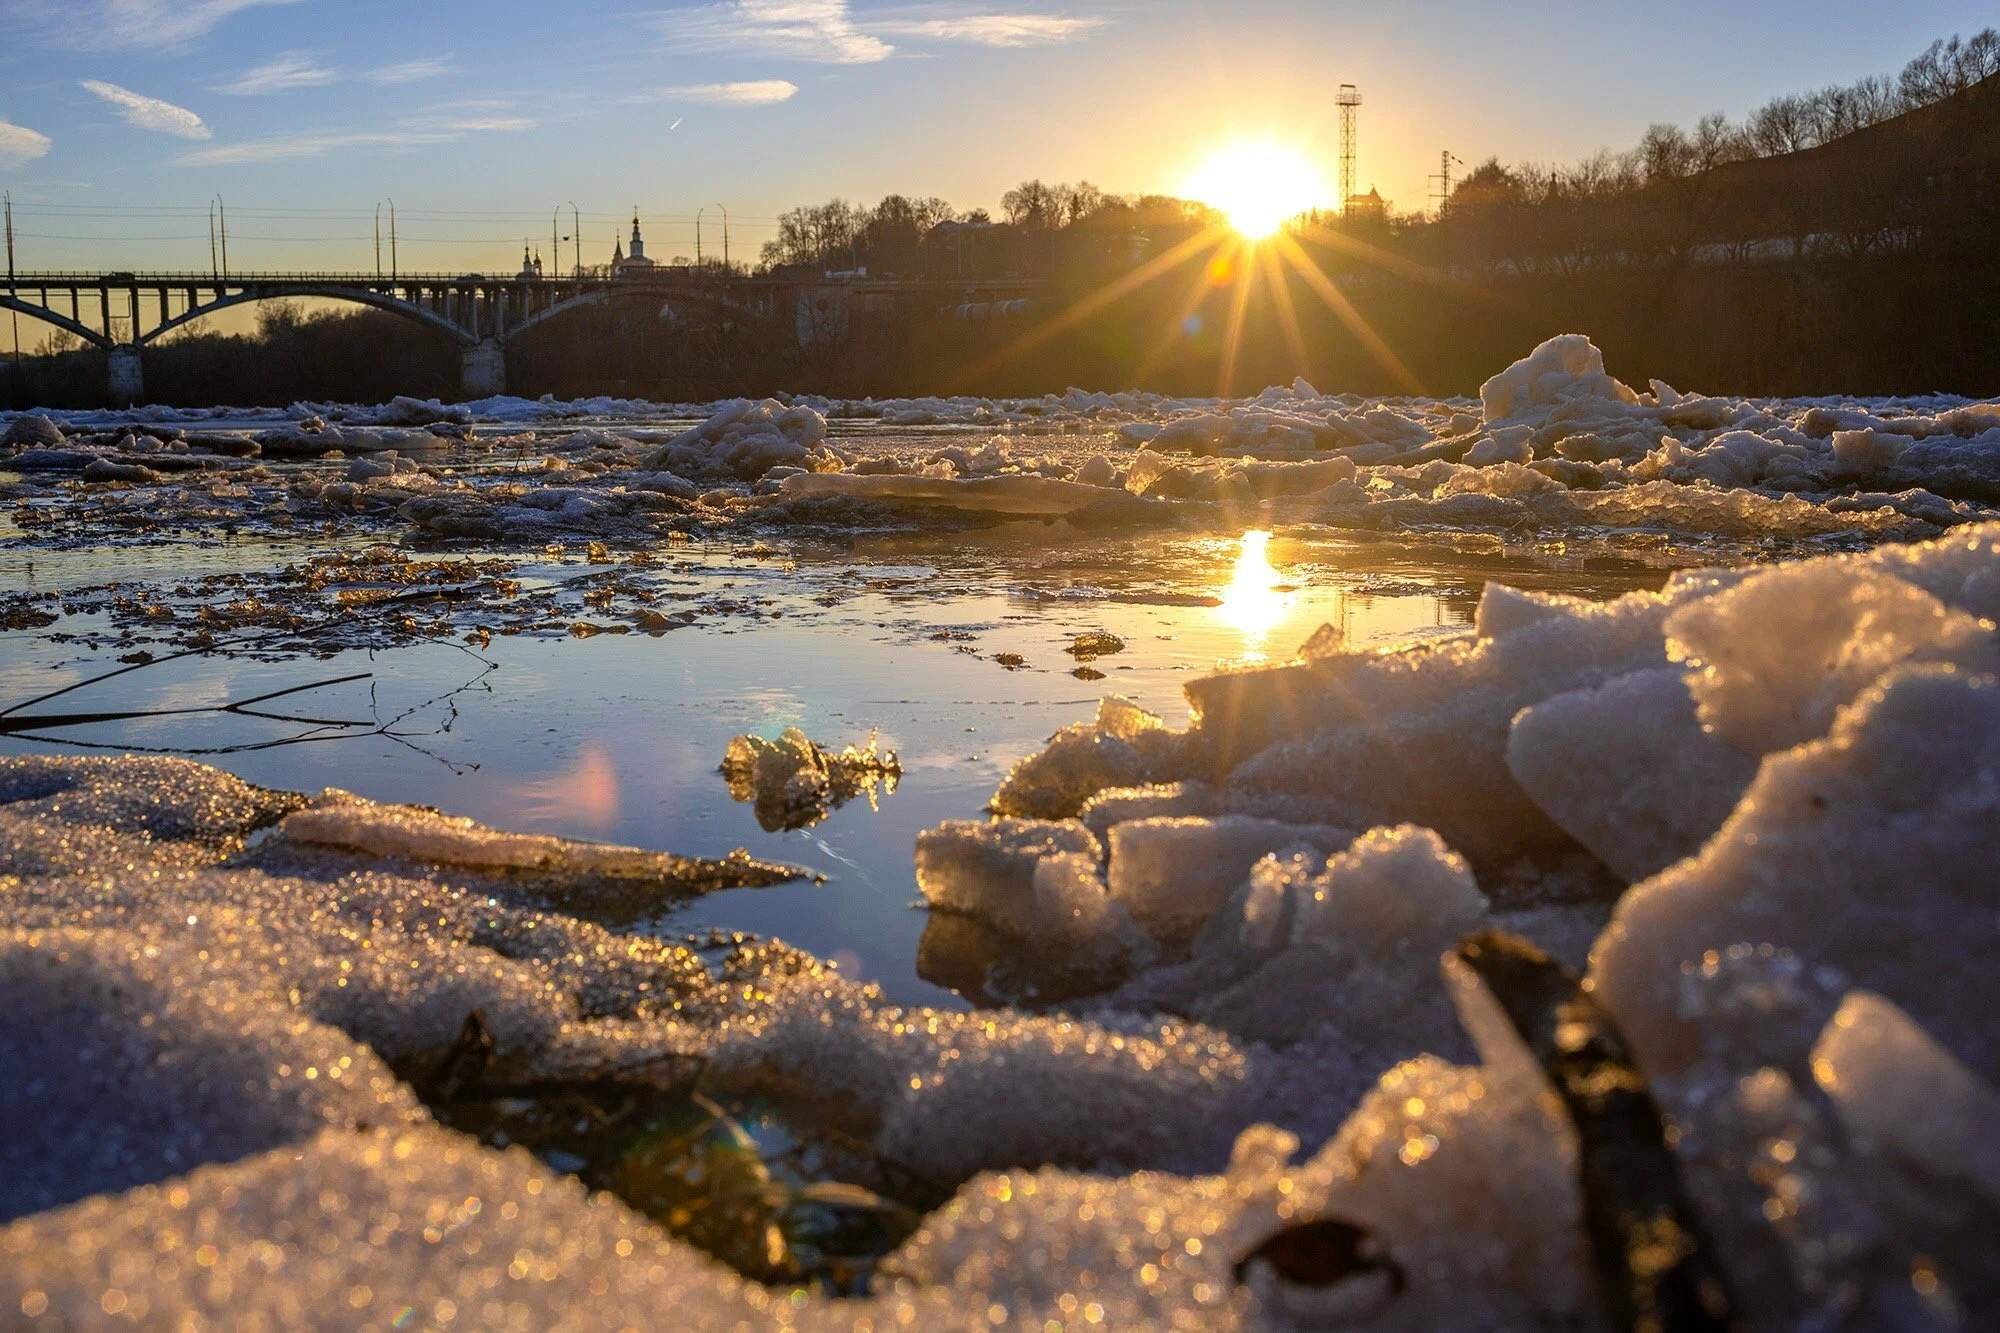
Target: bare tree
[(1034, 205)]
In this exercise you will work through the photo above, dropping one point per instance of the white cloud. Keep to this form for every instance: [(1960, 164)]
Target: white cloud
[(412, 71), (435, 125), (817, 30), (293, 69), (19, 144), (753, 92), (116, 24), (994, 29), (149, 113)]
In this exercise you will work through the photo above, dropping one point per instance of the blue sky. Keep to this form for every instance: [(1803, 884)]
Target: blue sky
[(119, 119)]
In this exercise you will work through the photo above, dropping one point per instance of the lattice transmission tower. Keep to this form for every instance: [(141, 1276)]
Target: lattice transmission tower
[(1349, 101), (1441, 183)]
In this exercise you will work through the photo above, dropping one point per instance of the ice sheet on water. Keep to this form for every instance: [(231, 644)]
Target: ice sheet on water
[(337, 819), (1558, 445)]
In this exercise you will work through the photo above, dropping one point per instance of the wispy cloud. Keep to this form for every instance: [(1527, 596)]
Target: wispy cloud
[(993, 29), (412, 71), (281, 74), (286, 147), (753, 92), (149, 113), (816, 30), (472, 115), (434, 125), (120, 24), (19, 144)]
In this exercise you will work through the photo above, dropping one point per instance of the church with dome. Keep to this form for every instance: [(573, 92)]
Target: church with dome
[(635, 264)]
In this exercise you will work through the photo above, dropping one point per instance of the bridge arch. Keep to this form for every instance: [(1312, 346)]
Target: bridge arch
[(606, 295), (354, 295), (55, 319)]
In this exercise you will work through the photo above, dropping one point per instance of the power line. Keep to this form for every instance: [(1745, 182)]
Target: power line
[(436, 214)]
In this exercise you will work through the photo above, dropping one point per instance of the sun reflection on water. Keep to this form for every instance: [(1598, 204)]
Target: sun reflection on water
[(1255, 600)]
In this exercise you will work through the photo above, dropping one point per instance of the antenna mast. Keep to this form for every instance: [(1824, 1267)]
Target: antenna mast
[(1349, 101)]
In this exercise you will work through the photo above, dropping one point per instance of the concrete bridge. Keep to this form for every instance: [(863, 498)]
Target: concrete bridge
[(122, 312)]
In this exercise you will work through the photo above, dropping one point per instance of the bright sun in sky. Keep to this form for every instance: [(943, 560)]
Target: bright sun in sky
[(1258, 184)]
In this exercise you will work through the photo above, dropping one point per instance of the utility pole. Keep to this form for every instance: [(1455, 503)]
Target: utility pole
[(222, 216), (576, 231), (215, 269), (697, 236), (725, 236), (393, 269), (555, 242), (378, 240), (1349, 101), (1446, 160)]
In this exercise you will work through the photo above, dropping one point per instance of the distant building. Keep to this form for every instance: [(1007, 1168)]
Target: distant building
[(1370, 207), (635, 264), (531, 269)]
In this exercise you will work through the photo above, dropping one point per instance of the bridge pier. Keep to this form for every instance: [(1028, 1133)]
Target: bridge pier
[(482, 370), (128, 376)]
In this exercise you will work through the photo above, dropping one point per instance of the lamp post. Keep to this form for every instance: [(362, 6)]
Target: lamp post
[(392, 237), (576, 234), (378, 240), (13, 314), (222, 219)]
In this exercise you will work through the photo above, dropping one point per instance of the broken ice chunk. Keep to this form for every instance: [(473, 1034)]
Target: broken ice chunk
[(1778, 654), (1627, 770), (795, 782), (1125, 747), (1173, 874)]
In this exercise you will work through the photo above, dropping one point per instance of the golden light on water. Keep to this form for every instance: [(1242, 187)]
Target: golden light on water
[(1258, 184), (1255, 600)]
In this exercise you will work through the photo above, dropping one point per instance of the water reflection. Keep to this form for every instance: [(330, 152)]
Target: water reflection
[(585, 795), (1255, 601)]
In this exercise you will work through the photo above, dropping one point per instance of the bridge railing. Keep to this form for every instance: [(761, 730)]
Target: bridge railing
[(663, 276), (125, 277)]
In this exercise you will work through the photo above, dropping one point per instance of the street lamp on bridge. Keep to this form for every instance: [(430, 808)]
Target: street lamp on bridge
[(218, 219), (392, 240)]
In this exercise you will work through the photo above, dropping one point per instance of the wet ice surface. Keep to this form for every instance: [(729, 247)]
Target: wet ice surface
[(1756, 806)]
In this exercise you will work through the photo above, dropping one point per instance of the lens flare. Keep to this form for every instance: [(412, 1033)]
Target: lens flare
[(1258, 185)]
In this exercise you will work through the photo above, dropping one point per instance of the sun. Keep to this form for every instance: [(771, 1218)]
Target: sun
[(1258, 185)]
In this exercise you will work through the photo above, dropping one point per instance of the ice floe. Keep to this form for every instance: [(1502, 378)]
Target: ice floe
[(1556, 446)]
